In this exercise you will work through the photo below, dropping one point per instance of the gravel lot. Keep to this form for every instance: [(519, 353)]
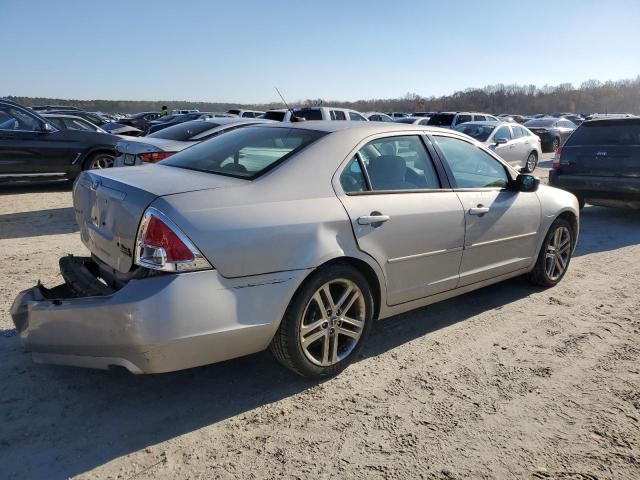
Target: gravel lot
[(507, 382)]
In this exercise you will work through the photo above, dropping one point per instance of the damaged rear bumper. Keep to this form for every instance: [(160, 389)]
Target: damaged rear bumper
[(151, 325)]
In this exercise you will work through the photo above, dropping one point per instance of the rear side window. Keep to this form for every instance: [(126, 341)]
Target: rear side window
[(463, 119), (352, 178), (399, 163), (184, 131), (244, 153), (503, 132), (308, 114), (338, 115), (356, 117), (471, 166), (441, 119), (612, 134), (517, 132), (479, 118)]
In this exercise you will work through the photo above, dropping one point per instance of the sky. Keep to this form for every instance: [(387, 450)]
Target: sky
[(238, 51)]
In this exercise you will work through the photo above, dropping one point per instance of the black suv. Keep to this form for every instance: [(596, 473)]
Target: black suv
[(600, 163), (33, 147)]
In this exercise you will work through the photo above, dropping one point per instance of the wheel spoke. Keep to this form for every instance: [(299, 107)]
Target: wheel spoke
[(325, 347), (327, 293), (334, 348), (352, 321), (348, 333), (307, 329), (344, 297), (308, 340), (321, 305)]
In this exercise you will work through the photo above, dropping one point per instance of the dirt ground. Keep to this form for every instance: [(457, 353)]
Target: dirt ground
[(510, 381)]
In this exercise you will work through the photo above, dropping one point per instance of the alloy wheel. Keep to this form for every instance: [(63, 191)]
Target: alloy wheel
[(101, 161), (532, 161), (333, 322), (558, 253)]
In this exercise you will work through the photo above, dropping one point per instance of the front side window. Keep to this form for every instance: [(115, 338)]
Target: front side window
[(356, 117), (477, 131), (399, 163), (244, 153), (14, 119), (338, 115), (471, 166), (479, 118), (503, 132)]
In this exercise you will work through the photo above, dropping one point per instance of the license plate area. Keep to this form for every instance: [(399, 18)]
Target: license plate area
[(129, 159)]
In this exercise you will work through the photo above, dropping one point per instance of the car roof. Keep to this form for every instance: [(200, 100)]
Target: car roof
[(488, 123), (61, 115), (372, 128), (227, 120)]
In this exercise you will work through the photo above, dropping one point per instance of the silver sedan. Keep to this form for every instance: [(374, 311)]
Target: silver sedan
[(293, 237), (515, 143)]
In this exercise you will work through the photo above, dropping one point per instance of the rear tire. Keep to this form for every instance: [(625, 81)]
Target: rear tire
[(326, 323), (555, 255)]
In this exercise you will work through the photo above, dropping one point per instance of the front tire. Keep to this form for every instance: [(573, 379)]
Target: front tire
[(326, 323), (555, 255), (531, 163), (99, 160)]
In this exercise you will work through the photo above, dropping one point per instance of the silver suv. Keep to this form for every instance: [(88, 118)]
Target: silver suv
[(451, 119)]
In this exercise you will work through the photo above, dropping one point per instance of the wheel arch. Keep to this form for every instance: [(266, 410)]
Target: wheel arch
[(92, 151)]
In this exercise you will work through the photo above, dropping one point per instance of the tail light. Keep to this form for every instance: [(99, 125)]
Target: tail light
[(161, 245), (154, 157), (556, 159)]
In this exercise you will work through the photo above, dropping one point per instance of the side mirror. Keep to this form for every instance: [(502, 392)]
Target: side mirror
[(501, 141), (46, 128), (526, 183)]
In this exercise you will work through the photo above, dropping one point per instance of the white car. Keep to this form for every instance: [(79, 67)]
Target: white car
[(514, 143), (245, 113), (451, 119), (315, 113), (378, 117)]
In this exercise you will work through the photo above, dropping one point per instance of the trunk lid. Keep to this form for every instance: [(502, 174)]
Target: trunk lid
[(110, 203), (135, 146), (601, 160)]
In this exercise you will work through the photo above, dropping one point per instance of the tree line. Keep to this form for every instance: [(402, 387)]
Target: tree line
[(591, 96)]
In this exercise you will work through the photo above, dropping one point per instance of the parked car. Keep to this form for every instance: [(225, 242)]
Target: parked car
[(552, 131), (514, 143), (598, 116), (600, 163), (94, 118), (423, 114), (39, 108), (245, 113), (377, 117), (139, 120), (413, 120), (395, 115), (164, 143), (66, 121), (451, 119), (31, 146), (183, 112), (171, 120), (314, 113), (227, 248)]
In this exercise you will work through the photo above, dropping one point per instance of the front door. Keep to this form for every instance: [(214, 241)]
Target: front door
[(402, 216), (501, 224)]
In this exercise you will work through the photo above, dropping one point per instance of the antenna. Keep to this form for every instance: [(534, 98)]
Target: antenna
[(283, 100)]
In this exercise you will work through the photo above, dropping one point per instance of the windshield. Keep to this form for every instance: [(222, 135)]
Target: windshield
[(441, 119), (184, 131), (612, 134), (479, 132), (246, 152), (541, 123)]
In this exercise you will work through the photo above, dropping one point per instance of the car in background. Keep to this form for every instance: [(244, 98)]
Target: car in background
[(171, 120), (33, 147), (314, 113), (183, 112), (378, 117), (552, 131), (245, 113), (138, 120), (70, 121), (164, 143), (39, 108), (598, 116), (94, 118), (514, 143), (397, 114), (423, 114), (451, 119), (600, 163), (227, 248), (413, 120)]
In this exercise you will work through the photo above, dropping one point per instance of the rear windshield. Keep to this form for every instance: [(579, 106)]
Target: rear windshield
[(184, 131), (246, 152), (277, 116), (308, 114), (441, 119), (612, 134), (541, 123), (234, 112), (405, 120), (479, 132)]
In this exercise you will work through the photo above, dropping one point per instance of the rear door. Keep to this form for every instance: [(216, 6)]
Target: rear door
[(501, 225), (404, 215), (508, 151)]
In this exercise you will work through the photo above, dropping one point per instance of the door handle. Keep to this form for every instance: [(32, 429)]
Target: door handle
[(372, 219), (479, 210)]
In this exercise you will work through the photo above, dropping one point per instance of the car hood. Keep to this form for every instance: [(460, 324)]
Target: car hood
[(109, 204)]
